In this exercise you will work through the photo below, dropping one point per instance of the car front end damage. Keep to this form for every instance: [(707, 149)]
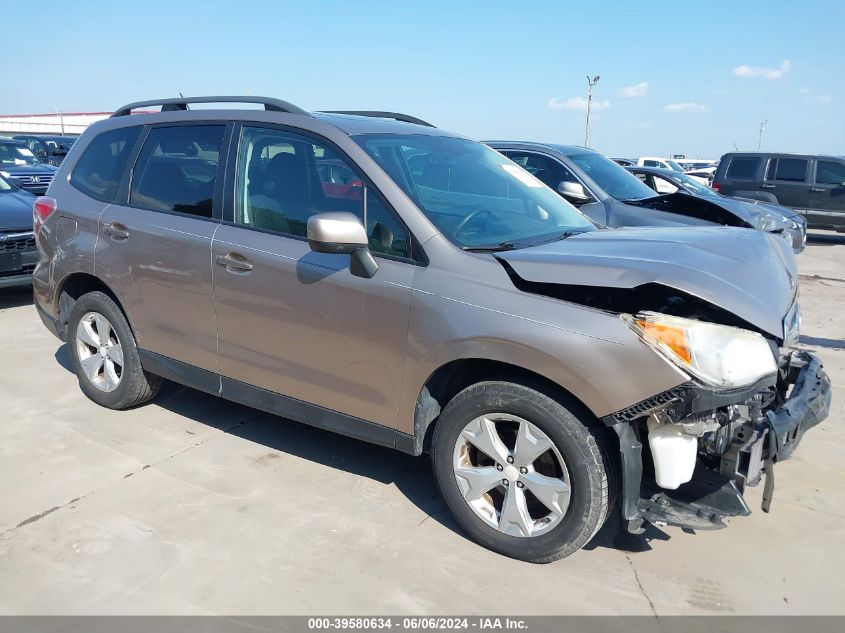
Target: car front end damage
[(720, 441)]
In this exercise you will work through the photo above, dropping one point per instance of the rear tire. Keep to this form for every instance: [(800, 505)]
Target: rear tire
[(104, 354), (572, 479)]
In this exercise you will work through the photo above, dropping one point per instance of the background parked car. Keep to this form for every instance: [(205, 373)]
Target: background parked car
[(691, 164), (811, 184), (18, 254), (767, 216), (703, 175), (18, 163), (655, 161), (613, 197), (625, 162), (50, 149)]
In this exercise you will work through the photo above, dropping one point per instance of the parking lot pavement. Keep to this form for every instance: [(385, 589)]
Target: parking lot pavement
[(193, 505)]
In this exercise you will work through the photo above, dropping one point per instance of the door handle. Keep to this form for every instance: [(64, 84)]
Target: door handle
[(116, 231), (765, 186), (234, 263), (817, 189)]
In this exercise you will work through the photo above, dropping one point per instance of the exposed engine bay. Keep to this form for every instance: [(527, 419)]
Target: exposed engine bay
[(687, 455)]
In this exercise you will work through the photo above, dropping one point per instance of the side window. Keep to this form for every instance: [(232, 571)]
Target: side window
[(829, 173), (791, 169), (547, 170), (99, 170), (743, 168), (284, 179), (177, 168), (652, 163)]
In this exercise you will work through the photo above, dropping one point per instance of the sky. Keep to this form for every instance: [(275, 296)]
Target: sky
[(694, 78)]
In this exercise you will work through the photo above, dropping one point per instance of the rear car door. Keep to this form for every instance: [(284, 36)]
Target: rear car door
[(827, 195), (154, 246), (787, 179), (297, 323)]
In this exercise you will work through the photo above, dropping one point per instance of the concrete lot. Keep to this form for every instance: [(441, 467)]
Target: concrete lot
[(192, 505)]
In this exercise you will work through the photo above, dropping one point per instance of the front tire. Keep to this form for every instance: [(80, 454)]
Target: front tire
[(104, 355), (522, 474)]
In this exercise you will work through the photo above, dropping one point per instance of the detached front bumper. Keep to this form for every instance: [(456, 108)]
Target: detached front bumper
[(749, 447)]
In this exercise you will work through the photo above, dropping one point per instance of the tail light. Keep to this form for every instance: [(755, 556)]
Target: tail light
[(41, 210), (716, 186)]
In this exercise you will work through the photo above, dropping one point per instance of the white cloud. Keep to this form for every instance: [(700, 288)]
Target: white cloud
[(637, 90), (824, 99), (577, 103), (688, 106), (765, 73)]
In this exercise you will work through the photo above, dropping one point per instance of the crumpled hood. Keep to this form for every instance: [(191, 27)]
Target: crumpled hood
[(749, 273), (752, 210), (16, 209)]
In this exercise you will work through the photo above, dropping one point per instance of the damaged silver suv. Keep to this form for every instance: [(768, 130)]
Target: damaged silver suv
[(373, 275)]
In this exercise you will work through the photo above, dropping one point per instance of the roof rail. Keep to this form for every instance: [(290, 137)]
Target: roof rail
[(181, 103), (398, 116)]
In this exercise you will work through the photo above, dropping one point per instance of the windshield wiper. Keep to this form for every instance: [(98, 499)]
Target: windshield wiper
[(493, 248), (558, 237)]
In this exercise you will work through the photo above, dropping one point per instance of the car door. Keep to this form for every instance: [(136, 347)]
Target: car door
[(154, 246), (787, 178), (294, 322), (827, 194)]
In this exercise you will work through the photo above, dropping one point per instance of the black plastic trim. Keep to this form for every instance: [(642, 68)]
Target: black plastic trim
[(183, 373), (275, 403), (380, 114)]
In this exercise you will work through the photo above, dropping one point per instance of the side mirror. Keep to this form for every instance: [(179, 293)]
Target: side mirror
[(574, 192), (342, 234)]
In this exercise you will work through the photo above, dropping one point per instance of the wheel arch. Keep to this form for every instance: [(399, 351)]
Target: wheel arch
[(452, 377), (71, 288)]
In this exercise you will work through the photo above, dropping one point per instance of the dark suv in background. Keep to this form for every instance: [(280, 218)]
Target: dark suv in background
[(811, 184)]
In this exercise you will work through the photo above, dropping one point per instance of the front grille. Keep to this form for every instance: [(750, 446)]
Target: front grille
[(646, 406), (19, 243), (36, 180)]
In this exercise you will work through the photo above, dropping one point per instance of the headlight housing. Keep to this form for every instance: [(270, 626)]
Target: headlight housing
[(720, 356), (767, 222)]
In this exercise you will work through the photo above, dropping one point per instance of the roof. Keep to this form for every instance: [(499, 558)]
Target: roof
[(355, 124), (563, 149), (788, 154)]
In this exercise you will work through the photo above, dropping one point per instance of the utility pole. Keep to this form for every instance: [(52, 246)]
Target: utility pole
[(590, 83), (760, 135)]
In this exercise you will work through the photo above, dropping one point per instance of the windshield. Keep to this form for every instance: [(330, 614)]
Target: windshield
[(16, 155), (616, 181), (695, 186), (475, 196), (675, 166)]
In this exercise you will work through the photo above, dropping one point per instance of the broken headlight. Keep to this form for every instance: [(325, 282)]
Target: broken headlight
[(721, 356)]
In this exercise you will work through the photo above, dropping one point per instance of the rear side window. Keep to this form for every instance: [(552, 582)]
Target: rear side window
[(177, 168), (787, 169), (830, 173), (743, 168), (99, 170)]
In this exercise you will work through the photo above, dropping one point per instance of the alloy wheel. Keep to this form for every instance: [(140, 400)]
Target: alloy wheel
[(100, 351), (511, 475)]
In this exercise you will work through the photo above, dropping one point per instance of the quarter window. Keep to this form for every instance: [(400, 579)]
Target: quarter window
[(743, 168), (176, 170), (285, 178), (829, 173), (99, 170)]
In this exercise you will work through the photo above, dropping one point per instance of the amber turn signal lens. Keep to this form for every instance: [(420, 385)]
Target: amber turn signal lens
[(672, 337)]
